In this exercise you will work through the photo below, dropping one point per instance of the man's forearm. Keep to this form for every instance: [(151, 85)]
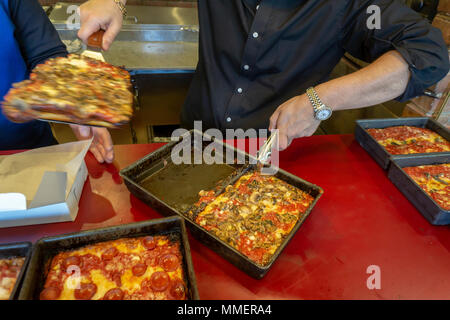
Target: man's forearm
[(383, 80)]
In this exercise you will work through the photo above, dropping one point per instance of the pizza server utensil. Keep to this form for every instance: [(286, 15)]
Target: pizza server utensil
[(94, 46), (265, 152), (79, 124)]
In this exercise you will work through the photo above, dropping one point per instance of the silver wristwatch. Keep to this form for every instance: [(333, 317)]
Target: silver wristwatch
[(321, 111)]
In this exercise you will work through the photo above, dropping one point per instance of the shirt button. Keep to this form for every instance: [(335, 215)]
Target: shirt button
[(247, 67), (228, 119), (239, 90), (255, 35)]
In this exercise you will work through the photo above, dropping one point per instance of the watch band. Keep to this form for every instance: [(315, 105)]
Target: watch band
[(314, 98), (121, 7)]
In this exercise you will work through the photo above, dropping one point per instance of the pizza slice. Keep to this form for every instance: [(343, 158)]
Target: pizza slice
[(75, 89)]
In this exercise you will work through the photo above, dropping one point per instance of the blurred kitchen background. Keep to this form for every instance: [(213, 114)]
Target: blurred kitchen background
[(158, 45)]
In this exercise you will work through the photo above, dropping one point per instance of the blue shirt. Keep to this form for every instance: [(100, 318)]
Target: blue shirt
[(27, 38)]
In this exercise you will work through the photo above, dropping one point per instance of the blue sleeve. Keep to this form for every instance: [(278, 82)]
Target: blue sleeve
[(36, 35)]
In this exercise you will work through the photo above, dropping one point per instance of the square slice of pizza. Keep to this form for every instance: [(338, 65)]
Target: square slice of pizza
[(73, 89)]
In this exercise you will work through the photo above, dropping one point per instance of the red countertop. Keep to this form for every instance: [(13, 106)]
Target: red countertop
[(361, 220)]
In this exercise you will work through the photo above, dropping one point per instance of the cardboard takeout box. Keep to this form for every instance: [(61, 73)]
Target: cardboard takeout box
[(43, 185)]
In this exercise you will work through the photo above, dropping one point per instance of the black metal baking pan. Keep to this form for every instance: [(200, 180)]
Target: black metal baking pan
[(418, 197), (46, 248), (134, 174), (377, 151), (18, 249), (177, 184)]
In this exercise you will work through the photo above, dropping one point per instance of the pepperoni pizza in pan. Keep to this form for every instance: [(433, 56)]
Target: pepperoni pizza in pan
[(434, 180), (145, 268), (9, 272), (254, 215), (74, 89), (408, 140)]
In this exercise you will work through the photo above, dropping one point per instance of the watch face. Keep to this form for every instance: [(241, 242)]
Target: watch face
[(323, 114)]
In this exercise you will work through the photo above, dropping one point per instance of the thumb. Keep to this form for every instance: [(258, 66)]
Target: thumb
[(283, 141), (274, 119)]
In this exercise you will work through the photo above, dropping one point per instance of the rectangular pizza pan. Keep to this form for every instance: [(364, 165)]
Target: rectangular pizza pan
[(413, 192), (377, 151), (18, 249), (46, 248), (136, 172)]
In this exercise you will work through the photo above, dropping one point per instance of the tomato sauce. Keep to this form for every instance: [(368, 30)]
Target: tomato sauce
[(408, 140)]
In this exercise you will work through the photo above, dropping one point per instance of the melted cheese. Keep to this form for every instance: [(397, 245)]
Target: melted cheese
[(79, 63)]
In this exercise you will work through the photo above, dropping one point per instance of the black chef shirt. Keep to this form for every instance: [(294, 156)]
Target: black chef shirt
[(255, 55)]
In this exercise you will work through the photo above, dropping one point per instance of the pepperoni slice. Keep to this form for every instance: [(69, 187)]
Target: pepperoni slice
[(90, 262), (110, 253), (117, 278), (139, 269), (71, 261), (178, 291), (149, 242), (169, 262), (159, 281), (86, 291), (114, 294), (50, 293)]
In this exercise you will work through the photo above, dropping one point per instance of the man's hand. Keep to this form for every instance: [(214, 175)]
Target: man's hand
[(100, 14), (294, 119), (101, 147)]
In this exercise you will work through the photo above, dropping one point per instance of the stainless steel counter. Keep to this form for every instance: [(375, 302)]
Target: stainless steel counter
[(143, 50), (151, 39), (150, 15)]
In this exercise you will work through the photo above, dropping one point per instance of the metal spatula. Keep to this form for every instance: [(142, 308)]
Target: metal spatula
[(94, 46), (265, 152)]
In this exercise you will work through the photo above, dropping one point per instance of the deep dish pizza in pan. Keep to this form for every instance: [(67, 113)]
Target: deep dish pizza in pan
[(434, 180), (74, 89), (254, 215), (9, 272), (145, 268), (409, 140)]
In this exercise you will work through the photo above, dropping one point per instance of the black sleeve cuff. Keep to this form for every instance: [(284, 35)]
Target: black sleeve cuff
[(424, 72)]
